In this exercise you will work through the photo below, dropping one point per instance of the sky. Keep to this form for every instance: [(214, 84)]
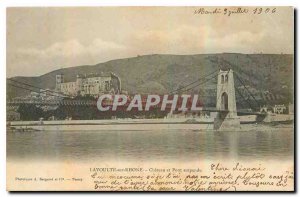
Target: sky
[(40, 40)]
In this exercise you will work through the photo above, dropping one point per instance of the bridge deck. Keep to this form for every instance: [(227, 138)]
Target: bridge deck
[(94, 103)]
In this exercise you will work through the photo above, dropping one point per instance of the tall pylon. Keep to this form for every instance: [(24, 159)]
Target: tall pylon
[(226, 102)]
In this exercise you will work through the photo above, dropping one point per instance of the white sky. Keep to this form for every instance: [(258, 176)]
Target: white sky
[(40, 40)]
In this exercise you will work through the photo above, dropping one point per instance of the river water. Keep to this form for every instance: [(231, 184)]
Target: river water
[(170, 145)]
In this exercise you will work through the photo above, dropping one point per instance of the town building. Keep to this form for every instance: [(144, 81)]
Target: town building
[(92, 84), (279, 109), (291, 108)]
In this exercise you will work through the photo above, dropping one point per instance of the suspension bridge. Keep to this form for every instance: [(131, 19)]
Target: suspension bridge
[(226, 102)]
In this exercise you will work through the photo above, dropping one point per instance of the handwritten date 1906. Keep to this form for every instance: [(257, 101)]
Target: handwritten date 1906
[(234, 11)]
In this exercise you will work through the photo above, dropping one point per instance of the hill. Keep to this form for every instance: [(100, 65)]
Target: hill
[(163, 73)]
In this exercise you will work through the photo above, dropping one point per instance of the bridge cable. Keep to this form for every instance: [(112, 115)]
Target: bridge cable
[(241, 81), (244, 98), (24, 88), (199, 79), (26, 84), (201, 83)]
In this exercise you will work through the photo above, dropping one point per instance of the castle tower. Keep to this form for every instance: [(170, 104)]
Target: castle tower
[(117, 82), (59, 81), (226, 102), (79, 84)]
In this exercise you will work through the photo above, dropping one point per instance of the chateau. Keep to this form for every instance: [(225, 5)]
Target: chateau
[(92, 84)]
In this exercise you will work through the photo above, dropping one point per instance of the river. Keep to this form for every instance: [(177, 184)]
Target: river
[(173, 145)]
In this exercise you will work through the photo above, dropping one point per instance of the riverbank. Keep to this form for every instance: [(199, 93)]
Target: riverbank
[(136, 125)]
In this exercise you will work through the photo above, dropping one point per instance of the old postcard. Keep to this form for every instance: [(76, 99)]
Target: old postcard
[(150, 99)]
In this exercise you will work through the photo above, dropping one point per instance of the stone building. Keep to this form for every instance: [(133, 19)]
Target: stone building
[(291, 108), (279, 109), (92, 84)]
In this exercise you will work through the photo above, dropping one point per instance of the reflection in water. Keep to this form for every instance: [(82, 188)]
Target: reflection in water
[(150, 145)]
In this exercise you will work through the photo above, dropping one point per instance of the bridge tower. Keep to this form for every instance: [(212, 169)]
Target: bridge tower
[(226, 118)]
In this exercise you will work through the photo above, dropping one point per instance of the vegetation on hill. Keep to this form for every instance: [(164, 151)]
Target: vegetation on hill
[(163, 73)]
